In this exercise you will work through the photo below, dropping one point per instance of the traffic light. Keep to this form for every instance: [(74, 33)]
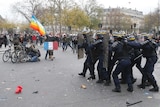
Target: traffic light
[(131, 27)]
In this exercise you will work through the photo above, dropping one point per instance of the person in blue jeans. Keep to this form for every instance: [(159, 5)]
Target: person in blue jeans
[(34, 54)]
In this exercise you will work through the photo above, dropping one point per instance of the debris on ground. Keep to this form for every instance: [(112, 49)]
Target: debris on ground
[(18, 89), (83, 86)]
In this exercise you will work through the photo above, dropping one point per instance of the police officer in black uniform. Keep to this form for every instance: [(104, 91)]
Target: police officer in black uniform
[(89, 62), (98, 48), (110, 63), (136, 57), (123, 65), (149, 52), (113, 55)]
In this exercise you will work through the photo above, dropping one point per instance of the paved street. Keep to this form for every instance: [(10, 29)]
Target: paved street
[(57, 84)]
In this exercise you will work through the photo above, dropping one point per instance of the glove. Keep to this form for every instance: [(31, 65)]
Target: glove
[(145, 42)]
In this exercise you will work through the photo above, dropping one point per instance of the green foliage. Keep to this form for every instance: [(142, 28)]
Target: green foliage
[(94, 23), (7, 26), (75, 17)]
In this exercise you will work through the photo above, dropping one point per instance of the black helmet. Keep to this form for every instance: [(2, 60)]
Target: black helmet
[(99, 36), (84, 35), (146, 38)]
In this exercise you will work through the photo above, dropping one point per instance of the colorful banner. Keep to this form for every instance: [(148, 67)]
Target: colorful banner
[(36, 25)]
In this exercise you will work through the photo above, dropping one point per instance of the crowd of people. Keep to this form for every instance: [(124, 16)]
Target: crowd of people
[(20, 40), (125, 51)]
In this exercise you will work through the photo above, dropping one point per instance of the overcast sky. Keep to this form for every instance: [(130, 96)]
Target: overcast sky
[(145, 6), (141, 5)]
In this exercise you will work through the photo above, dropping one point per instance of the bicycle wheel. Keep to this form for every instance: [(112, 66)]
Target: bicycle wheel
[(6, 56), (21, 56), (14, 57)]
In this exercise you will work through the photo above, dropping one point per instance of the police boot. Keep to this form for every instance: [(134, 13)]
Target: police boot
[(130, 89), (100, 81), (155, 88), (91, 77), (116, 90), (141, 86), (82, 74)]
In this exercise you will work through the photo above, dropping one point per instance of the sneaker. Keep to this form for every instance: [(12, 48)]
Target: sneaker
[(116, 90), (82, 74), (154, 89)]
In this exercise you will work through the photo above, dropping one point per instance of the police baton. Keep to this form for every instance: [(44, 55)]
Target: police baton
[(138, 57), (130, 104)]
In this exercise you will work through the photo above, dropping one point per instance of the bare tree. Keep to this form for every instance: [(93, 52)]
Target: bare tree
[(57, 7), (117, 20), (28, 7), (93, 10)]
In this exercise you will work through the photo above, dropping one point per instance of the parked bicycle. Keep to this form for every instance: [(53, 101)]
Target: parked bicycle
[(7, 54), (20, 55)]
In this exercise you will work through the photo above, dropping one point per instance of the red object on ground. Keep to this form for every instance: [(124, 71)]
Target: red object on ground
[(18, 90)]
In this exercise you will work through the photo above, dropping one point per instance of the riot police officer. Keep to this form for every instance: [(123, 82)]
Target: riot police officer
[(99, 55), (123, 65), (113, 55), (149, 52), (89, 62), (110, 63), (136, 57)]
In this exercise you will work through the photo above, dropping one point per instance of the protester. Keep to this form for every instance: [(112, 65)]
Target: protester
[(33, 53)]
